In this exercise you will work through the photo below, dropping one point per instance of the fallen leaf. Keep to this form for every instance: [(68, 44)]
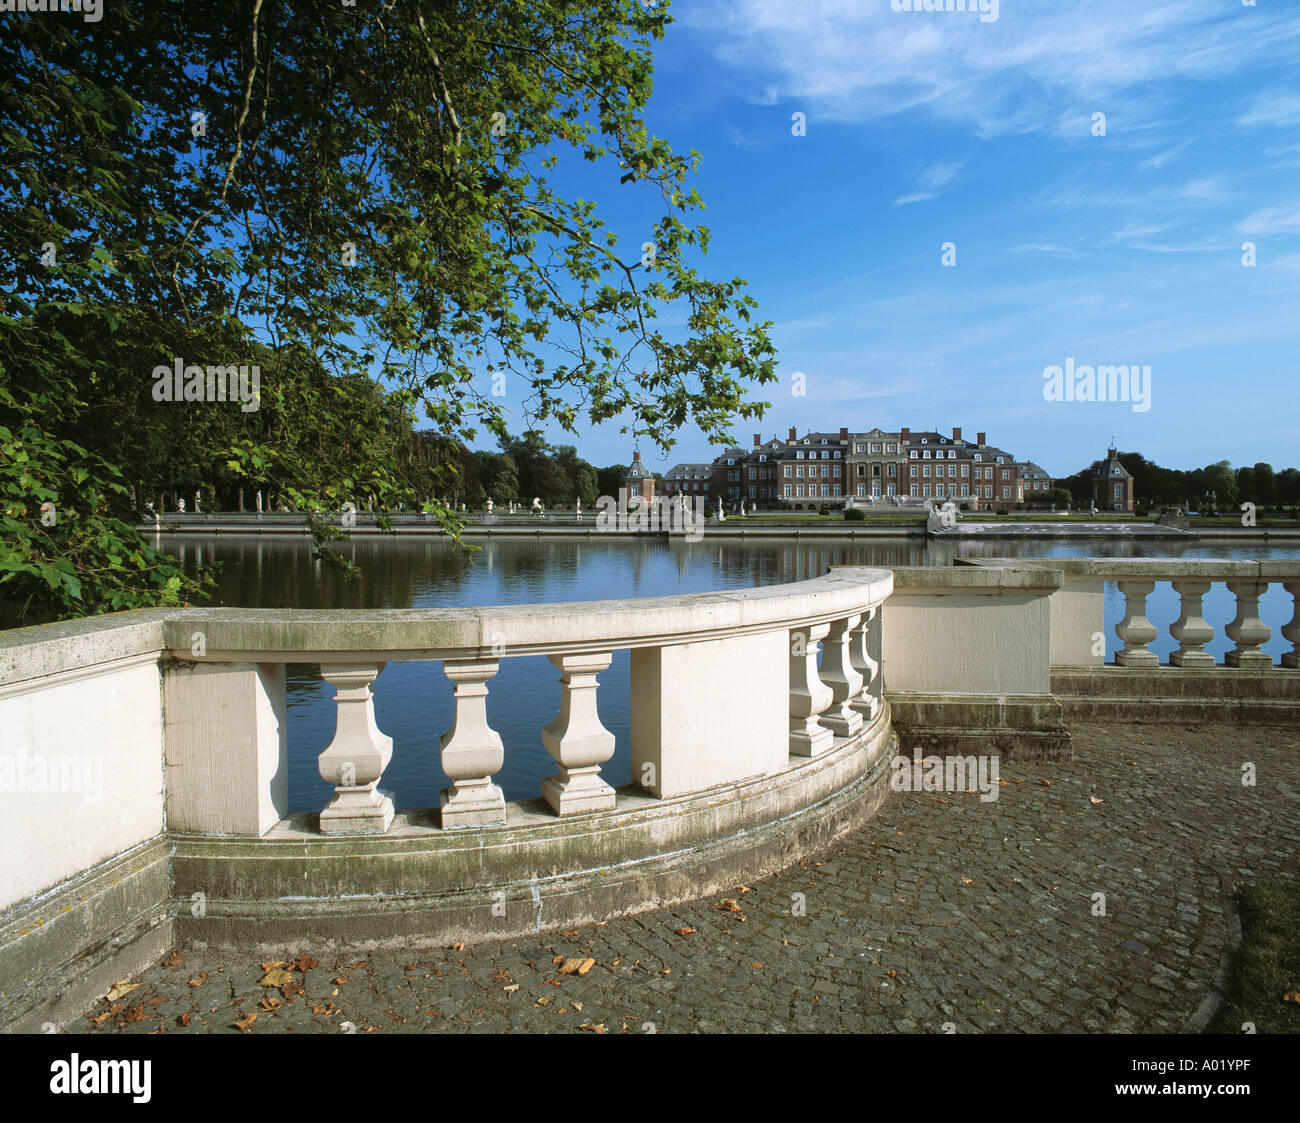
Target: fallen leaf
[(184, 1019), (136, 1015), (289, 990), (756, 965), (747, 889), (276, 978), (511, 988), (966, 880), (685, 931), (1291, 996), (272, 966), (246, 1023), (1046, 783), (598, 1028), (666, 971), (120, 988), (570, 935), (728, 904), (339, 981), (541, 1002), (198, 979), (578, 1006), (271, 1003), (358, 963), (586, 965), (616, 962), (579, 966), (304, 962), (102, 1017), (558, 959), (156, 1001), (173, 960), (334, 992), (457, 947), (1095, 800)]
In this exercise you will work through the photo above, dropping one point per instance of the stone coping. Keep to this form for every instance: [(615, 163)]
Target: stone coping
[(310, 635), (364, 635), (1008, 573), (1159, 569)]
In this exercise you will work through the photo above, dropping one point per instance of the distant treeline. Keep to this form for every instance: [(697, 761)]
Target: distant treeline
[(1218, 485)]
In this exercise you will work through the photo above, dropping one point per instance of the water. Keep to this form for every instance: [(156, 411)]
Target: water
[(413, 700)]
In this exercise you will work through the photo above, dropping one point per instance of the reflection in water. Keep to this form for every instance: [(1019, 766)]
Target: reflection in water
[(413, 699)]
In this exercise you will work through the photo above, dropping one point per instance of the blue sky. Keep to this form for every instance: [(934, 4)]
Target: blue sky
[(931, 127)]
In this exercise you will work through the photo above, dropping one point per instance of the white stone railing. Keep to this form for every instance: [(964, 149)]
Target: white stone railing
[(724, 686), (1077, 610)]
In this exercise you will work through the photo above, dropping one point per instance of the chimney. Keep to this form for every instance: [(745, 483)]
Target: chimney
[(956, 433), (793, 433), (844, 433), (905, 436), (636, 456), (758, 439), (979, 439)]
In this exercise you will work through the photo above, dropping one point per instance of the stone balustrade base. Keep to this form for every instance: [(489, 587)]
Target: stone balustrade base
[(61, 952), (420, 885), (1014, 726), (1171, 694)]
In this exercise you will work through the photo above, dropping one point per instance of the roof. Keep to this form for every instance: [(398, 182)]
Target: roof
[(637, 471), (1112, 469), (689, 471)]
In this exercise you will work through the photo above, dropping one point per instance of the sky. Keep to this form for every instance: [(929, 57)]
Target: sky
[(1073, 239)]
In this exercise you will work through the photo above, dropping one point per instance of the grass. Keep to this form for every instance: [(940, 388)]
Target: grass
[(1267, 965)]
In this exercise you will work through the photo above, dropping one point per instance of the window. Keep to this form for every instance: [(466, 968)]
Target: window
[(824, 454), (965, 470), (952, 454), (925, 440), (1006, 493), (912, 453), (826, 491), (978, 456), (862, 469), (875, 491), (826, 470), (926, 471), (927, 491), (914, 492), (799, 471), (893, 469), (875, 448), (952, 490), (751, 493), (798, 491), (1119, 491), (798, 455), (891, 448), (837, 454), (988, 473), (823, 442), (965, 490), (890, 491), (837, 491), (999, 460), (787, 473), (837, 471), (787, 491), (859, 448), (913, 471), (753, 475), (988, 491), (763, 458), (862, 491), (926, 454)]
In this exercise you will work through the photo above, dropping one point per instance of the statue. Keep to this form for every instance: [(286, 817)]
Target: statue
[(259, 504), (180, 506), (578, 510), (196, 504), (721, 517), (489, 505), (537, 508)]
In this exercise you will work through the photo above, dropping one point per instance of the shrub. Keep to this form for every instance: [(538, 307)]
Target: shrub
[(854, 515)]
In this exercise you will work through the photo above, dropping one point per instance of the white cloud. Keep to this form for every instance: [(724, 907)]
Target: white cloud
[(931, 182), (1272, 220)]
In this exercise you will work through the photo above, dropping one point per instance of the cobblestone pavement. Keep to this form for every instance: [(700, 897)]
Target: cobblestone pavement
[(943, 909)]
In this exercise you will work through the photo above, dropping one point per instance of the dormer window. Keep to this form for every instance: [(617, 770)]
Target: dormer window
[(999, 460), (926, 454), (978, 456), (912, 454), (837, 454), (798, 455), (952, 454), (730, 460)]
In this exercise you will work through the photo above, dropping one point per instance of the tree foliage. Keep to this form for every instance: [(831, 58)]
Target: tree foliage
[(362, 201)]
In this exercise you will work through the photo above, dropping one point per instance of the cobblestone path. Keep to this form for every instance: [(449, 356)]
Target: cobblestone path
[(943, 909)]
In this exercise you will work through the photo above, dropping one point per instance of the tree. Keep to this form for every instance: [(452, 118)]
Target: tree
[(362, 196), (1246, 482), (1288, 486), (1219, 480), (609, 480), (1265, 485)]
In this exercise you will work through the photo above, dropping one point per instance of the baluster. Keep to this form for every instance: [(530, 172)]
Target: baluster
[(809, 696), (1247, 629), (472, 751), (1191, 629), (844, 680), (1135, 629), (1291, 630), (868, 701), (577, 740), (358, 755)]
